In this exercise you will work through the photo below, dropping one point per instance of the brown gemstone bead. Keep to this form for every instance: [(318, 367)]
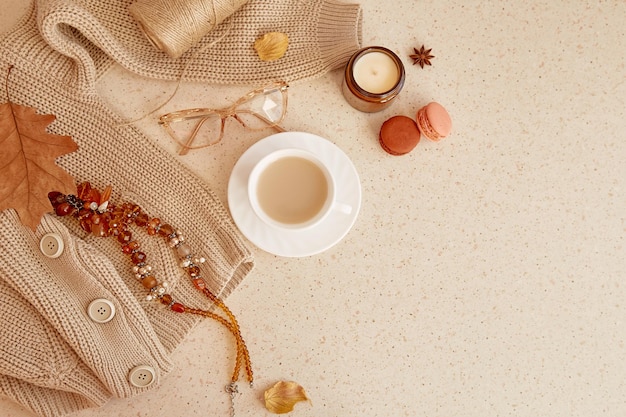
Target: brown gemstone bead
[(149, 282), (56, 198), (166, 299), (116, 220), (106, 195), (106, 216), (84, 219), (138, 257), (193, 271), (100, 229), (153, 226), (130, 247), (141, 219), (64, 209), (199, 283), (83, 189), (178, 307), (52, 195), (87, 193), (117, 213), (85, 224), (124, 236), (115, 229), (166, 230), (129, 211), (93, 197), (96, 218), (84, 213)]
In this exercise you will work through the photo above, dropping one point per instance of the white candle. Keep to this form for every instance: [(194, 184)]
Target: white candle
[(373, 78), (376, 72)]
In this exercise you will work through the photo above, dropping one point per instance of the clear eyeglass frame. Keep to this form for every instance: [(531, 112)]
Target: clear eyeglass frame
[(241, 110)]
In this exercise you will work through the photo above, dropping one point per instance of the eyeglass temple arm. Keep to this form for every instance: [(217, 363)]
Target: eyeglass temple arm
[(278, 128), (268, 122)]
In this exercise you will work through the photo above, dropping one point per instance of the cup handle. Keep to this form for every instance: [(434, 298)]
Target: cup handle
[(342, 207)]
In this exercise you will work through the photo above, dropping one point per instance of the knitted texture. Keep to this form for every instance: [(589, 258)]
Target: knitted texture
[(323, 34), (54, 359)]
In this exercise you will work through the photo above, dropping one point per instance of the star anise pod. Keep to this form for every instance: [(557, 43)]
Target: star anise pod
[(421, 56)]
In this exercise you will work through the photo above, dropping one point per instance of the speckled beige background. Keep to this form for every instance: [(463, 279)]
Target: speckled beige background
[(485, 273)]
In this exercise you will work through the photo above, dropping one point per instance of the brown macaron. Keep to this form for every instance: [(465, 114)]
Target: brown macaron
[(399, 135)]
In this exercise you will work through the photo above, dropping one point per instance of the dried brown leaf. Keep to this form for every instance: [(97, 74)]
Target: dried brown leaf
[(271, 46), (283, 396), (28, 170)]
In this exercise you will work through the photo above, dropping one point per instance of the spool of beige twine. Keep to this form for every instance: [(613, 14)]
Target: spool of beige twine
[(174, 26)]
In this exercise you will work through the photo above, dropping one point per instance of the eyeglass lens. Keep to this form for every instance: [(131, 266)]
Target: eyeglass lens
[(259, 112), (262, 109)]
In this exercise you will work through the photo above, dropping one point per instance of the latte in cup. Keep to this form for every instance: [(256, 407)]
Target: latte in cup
[(291, 188)]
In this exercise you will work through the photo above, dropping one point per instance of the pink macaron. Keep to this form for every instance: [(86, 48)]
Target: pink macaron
[(434, 121)]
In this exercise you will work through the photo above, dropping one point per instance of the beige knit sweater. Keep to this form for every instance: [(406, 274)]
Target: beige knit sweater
[(54, 358)]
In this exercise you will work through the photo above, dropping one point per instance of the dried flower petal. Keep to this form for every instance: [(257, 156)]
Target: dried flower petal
[(282, 397), (271, 46)]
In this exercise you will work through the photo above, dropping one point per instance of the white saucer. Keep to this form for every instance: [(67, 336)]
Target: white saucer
[(295, 243)]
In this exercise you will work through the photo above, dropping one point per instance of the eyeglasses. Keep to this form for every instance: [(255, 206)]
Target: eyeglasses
[(198, 128)]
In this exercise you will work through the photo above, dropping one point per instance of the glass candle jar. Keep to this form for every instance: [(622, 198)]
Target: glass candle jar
[(374, 76)]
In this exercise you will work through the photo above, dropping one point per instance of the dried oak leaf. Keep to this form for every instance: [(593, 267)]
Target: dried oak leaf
[(28, 171), (283, 396)]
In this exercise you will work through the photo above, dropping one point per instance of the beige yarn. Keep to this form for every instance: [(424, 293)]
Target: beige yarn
[(174, 26)]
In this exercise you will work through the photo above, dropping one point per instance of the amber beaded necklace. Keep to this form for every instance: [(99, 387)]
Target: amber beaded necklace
[(96, 215)]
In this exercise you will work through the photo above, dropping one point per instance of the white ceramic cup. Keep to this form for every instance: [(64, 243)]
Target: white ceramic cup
[(292, 189)]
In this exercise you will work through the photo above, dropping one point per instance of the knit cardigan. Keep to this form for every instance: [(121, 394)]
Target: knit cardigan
[(54, 359)]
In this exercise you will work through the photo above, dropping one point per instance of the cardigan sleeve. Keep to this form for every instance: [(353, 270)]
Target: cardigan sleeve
[(38, 369), (45, 402), (323, 35)]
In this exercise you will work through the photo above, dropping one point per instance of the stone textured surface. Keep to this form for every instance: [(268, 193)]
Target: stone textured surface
[(484, 275)]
